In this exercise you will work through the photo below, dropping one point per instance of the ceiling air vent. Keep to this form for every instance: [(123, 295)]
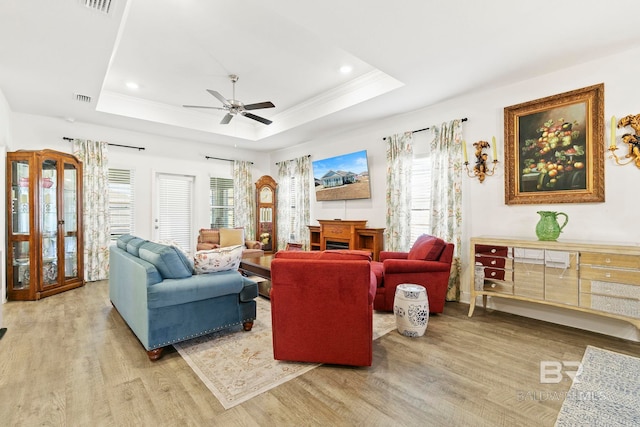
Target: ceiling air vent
[(82, 98), (98, 5)]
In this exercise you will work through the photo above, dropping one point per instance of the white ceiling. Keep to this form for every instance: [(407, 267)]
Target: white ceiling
[(405, 55)]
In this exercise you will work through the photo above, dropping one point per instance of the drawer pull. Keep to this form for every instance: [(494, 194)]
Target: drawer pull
[(607, 260), (493, 273), (607, 274), (494, 250), (493, 262)]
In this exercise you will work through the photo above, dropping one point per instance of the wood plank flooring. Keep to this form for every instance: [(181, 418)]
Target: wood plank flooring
[(69, 360)]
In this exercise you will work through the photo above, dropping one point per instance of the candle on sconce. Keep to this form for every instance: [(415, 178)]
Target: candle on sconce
[(464, 151), (495, 149), (613, 132)]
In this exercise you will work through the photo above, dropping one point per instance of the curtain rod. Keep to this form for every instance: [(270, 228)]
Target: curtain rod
[(66, 138), (277, 163), (220, 158), (421, 130)]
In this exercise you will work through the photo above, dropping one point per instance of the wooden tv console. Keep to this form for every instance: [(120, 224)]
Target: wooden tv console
[(346, 234)]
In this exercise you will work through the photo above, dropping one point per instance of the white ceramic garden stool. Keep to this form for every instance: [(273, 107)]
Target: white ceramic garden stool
[(411, 308)]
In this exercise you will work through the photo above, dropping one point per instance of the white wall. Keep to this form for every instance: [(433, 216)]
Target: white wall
[(161, 155), (484, 210), (5, 138)]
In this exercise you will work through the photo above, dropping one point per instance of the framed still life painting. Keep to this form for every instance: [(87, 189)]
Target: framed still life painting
[(554, 148)]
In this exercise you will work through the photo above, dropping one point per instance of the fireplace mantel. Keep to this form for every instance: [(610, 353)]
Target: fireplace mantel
[(354, 233)]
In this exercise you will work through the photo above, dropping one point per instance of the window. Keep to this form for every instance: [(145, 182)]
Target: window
[(221, 202), (121, 202), (293, 218), (420, 197)]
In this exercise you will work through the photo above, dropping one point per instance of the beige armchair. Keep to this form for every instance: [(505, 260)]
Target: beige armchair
[(212, 238)]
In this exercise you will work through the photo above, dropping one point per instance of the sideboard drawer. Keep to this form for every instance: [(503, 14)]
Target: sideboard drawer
[(609, 274), (501, 251), (609, 288), (622, 306), (613, 260)]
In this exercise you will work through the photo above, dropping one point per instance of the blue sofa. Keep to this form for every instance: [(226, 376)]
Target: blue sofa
[(154, 289)]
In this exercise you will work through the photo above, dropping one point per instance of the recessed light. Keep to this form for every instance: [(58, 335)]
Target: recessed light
[(346, 69), (132, 85)]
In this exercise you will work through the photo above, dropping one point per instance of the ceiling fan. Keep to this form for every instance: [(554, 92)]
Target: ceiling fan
[(233, 106)]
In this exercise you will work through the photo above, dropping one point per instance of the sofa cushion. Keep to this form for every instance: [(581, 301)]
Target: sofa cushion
[(171, 292), (123, 240), (231, 237), (427, 248), (133, 246), (332, 254), (215, 260), (170, 261)]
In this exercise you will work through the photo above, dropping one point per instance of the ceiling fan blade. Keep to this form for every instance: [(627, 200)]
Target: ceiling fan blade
[(259, 105), (258, 118), (226, 119), (202, 106), (220, 97)]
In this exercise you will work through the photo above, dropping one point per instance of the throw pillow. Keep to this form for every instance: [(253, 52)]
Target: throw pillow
[(211, 236), (215, 260), (231, 237), (426, 248)]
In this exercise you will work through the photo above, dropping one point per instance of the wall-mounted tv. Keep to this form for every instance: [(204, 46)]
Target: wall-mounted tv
[(342, 177)]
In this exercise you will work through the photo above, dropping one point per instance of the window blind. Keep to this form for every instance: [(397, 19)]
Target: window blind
[(121, 202), (221, 202), (420, 196), (175, 209)]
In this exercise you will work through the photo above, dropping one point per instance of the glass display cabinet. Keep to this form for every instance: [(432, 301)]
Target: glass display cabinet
[(44, 224)]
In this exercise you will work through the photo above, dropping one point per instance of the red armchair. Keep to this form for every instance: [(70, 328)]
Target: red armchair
[(428, 263), (322, 307)]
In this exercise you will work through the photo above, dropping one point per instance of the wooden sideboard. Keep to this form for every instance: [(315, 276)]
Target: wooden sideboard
[(346, 234), (583, 276)]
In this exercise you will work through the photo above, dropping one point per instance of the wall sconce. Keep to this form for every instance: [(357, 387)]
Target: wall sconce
[(633, 141), (480, 169)]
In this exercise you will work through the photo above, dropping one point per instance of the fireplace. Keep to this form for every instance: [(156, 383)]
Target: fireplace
[(331, 244)]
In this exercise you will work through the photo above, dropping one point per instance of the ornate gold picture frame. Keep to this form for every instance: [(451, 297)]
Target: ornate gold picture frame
[(554, 148)]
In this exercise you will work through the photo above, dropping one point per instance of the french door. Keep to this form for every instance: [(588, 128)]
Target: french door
[(173, 218)]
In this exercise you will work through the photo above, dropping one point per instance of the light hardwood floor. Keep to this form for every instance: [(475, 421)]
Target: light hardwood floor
[(69, 360)]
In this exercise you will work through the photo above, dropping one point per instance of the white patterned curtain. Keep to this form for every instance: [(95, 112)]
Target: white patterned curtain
[(293, 201), (244, 205), (446, 200), (95, 205), (399, 161)]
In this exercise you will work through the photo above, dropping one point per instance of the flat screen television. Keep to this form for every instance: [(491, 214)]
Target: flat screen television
[(342, 177)]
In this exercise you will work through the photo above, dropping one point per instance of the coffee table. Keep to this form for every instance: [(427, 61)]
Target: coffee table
[(261, 267)]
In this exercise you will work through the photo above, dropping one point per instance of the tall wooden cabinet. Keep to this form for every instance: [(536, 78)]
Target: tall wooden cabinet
[(44, 224)]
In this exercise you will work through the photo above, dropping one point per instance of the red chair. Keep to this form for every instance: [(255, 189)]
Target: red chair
[(428, 263), (322, 307)]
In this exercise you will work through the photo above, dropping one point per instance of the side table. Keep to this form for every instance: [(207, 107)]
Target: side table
[(411, 308)]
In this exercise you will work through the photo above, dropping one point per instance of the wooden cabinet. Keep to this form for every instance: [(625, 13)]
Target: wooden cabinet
[(583, 276), (44, 224), (266, 226), (346, 234)]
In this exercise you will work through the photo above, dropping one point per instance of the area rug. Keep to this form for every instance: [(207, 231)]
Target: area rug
[(605, 391), (237, 365)]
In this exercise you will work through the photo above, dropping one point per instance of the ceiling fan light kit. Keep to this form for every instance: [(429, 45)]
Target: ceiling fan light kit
[(233, 106)]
